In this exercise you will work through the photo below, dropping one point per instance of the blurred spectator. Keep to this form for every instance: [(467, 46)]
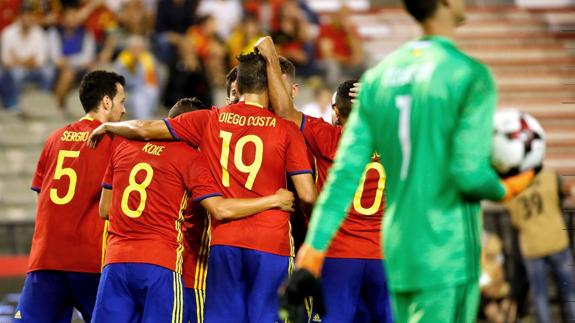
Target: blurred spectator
[(173, 18), (321, 107), (261, 10), (340, 51), (209, 48), (293, 39), (544, 242), (299, 7), (72, 50), (47, 11), (227, 14), (8, 12), (97, 18), (117, 5), (102, 24), (494, 305), (135, 18), (24, 51), (139, 68), (187, 77), (244, 38)]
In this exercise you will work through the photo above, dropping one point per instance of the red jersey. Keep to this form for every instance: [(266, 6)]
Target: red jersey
[(150, 184), (249, 150), (339, 38), (359, 235), (68, 234), (197, 246)]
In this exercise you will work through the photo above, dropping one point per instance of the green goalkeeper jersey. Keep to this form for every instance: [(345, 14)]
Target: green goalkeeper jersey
[(427, 109)]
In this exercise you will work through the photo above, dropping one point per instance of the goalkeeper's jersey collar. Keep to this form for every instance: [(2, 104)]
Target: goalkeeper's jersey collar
[(439, 39)]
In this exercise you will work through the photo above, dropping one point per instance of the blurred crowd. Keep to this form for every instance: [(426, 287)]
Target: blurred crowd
[(166, 49)]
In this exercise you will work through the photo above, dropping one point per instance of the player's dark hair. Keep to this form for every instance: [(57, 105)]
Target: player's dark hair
[(342, 98), (252, 77), (186, 105), (96, 85), (287, 67), (231, 78), (421, 10)]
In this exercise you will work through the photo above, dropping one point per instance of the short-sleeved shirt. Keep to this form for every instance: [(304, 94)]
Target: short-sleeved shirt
[(249, 150), (151, 185), (68, 234), (360, 233)]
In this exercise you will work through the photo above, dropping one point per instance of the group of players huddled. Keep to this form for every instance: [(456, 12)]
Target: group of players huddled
[(198, 216), (194, 217)]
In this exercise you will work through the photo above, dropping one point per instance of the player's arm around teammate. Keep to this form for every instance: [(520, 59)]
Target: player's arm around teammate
[(225, 209)]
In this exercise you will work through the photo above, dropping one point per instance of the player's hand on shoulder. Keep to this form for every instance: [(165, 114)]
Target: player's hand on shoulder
[(96, 136), (265, 46), (516, 184), (285, 200)]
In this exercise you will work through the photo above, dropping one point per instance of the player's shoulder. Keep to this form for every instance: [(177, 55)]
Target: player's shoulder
[(314, 122), (179, 152), (455, 59), (196, 114), (75, 131), (285, 125)]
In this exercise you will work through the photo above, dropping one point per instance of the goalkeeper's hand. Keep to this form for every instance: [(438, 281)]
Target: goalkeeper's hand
[(514, 185), (302, 284)]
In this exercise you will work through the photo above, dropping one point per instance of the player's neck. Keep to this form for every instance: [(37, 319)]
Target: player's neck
[(97, 115), (255, 99), (438, 26)]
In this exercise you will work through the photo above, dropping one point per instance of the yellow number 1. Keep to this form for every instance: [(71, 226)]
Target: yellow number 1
[(65, 171), (251, 169), (137, 187)]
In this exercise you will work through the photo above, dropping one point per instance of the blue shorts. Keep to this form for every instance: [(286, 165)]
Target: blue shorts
[(355, 290), (50, 296), (135, 292), (242, 285), (194, 300)]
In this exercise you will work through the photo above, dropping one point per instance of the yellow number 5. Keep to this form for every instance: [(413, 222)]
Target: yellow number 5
[(137, 187), (378, 195), (61, 171), (251, 169)]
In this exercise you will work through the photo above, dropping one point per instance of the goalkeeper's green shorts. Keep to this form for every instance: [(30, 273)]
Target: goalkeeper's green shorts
[(457, 304)]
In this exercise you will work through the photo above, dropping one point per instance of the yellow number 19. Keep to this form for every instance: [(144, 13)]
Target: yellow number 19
[(251, 169), (137, 187)]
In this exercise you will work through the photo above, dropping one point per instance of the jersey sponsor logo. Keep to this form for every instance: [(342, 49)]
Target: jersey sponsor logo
[(153, 149), (18, 315), (240, 120), (316, 318), (75, 136)]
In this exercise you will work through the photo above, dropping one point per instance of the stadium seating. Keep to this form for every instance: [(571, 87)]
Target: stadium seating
[(527, 50)]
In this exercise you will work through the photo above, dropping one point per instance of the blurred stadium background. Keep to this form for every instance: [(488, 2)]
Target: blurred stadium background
[(529, 44)]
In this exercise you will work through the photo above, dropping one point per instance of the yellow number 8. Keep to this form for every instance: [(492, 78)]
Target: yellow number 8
[(137, 187)]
